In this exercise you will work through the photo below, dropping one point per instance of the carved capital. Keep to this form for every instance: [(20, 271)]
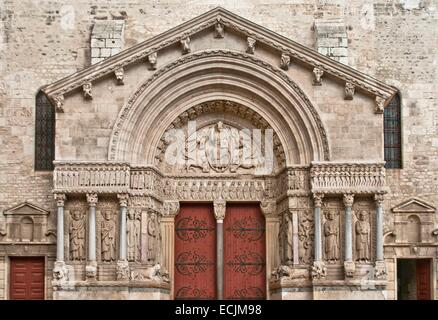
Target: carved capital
[(60, 199), (152, 59), (348, 200), (380, 105), (185, 45), (318, 270), (219, 209), (250, 42), (120, 74), (86, 87), (219, 31), (317, 72), (379, 198), (92, 199), (59, 103), (269, 208), (123, 199), (317, 199), (170, 208), (284, 61), (349, 91)]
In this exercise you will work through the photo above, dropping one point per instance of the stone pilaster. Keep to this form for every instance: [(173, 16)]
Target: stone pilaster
[(318, 269), (380, 271), (170, 211), (349, 265), (122, 270), (269, 210), (219, 213)]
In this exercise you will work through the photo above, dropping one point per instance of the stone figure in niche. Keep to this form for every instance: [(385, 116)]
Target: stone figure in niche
[(363, 237), (133, 235), (108, 232), (77, 236), (331, 234), (285, 240), (153, 237)]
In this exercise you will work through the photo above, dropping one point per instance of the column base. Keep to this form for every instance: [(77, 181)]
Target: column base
[(122, 270), (91, 270), (318, 270), (380, 272), (349, 268), (60, 272)]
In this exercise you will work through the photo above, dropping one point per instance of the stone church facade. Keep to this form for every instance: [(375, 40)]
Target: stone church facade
[(91, 208)]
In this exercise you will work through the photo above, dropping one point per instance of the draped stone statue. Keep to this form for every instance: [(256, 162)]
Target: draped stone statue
[(108, 232), (77, 236), (285, 240), (331, 234), (133, 235), (153, 234), (363, 237)]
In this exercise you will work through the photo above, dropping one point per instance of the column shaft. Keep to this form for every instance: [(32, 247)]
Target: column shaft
[(348, 254), (60, 234), (379, 232), (318, 237), (92, 233), (122, 241), (220, 259)]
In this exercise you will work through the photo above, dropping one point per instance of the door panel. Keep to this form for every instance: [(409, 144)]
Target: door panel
[(423, 279), (195, 252), (27, 278), (244, 252)]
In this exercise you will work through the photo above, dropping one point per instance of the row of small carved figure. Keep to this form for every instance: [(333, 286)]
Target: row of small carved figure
[(105, 176), (216, 190), (108, 231), (347, 180), (331, 233)]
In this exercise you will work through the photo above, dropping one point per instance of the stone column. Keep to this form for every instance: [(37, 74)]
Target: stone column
[(380, 272), (295, 237), (59, 270), (122, 270), (170, 211), (319, 269), (269, 210), (349, 265), (91, 268), (219, 213)]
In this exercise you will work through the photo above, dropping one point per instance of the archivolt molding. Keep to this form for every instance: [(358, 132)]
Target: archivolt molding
[(299, 107)]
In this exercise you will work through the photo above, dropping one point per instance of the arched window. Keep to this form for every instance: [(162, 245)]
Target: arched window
[(392, 132), (44, 133)]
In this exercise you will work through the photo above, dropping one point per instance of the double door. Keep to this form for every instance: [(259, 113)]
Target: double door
[(242, 239)]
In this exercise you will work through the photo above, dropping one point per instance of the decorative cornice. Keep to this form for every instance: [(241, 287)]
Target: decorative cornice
[(232, 21)]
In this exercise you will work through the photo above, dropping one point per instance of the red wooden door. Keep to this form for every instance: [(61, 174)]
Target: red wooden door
[(27, 278), (244, 252), (423, 279), (195, 252)]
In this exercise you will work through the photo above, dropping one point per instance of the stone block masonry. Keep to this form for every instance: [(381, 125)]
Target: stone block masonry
[(331, 39), (107, 39)]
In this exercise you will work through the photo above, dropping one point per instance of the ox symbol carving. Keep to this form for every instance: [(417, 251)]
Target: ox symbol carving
[(250, 263), (188, 229), (249, 229), (190, 263)]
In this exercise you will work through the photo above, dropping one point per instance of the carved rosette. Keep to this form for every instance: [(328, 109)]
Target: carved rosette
[(318, 270), (348, 200), (123, 199), (170, 208), (60, 199), (92, 199), (269, 208), (219, 210)]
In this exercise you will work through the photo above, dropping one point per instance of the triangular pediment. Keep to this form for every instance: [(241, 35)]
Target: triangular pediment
[(414, 205), (247, 29), (26, 208)]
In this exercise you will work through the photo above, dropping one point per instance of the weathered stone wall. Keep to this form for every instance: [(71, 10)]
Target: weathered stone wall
[(43, 41)]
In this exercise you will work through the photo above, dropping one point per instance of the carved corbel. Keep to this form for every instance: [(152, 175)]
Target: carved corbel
[(219, 209), (284, 61), (185, 45), (219, 31), (380, 105), (251, 42), (269, 208), (152, 59), (317, 72), (86, 87), (120, 74), (349, 91), (170, 208), (59, 103)]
